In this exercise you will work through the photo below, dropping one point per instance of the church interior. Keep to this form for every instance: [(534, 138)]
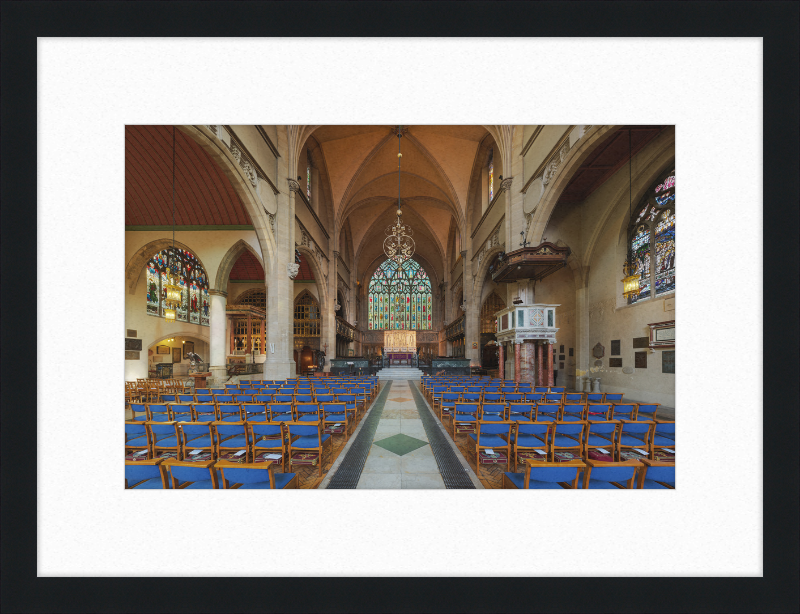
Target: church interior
[(391, 306)]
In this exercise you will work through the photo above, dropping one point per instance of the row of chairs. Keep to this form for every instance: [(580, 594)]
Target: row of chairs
[(301, 442), (610, 440), (592, 474), (438, 396), (146, 390), (172, 473), (531, 411), (362, 394), (246, 412)]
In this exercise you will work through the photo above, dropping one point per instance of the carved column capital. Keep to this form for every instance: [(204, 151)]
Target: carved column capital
[(217, 293), (505, 185), (293, 186)]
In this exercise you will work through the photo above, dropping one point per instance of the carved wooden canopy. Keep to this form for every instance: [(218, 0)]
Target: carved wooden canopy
[(530, 263)]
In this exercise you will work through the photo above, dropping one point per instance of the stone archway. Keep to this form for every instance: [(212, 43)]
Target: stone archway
[(229, 260)]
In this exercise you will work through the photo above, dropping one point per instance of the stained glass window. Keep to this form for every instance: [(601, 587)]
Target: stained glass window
[(652, 242), (400, 297), (308, 182), (491, 175), (195, 303)]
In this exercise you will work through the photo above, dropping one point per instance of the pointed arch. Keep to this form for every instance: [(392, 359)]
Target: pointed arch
[(136, 265), (229, 259), (320, 277)]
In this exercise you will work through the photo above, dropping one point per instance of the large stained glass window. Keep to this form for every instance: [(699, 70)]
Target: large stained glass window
[(400, 297), (652, 242), (195, 303)]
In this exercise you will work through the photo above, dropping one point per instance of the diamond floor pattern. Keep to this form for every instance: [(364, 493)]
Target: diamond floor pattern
[(401, 444)]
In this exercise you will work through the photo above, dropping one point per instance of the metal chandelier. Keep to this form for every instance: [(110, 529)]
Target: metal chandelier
[(398, 244)]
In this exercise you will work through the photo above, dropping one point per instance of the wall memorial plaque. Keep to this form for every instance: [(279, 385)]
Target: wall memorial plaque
[(598, 351), (163, 349), (668, 361), (615, 347), (598, 363), (571, 350), (615, 362), (131, 355), (627, 370), (131, 333), (641, 360), (133, 344), (641, 342)]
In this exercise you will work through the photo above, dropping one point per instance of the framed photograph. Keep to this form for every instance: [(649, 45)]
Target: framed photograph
[(188, 346), (176, 355), (162, 349)]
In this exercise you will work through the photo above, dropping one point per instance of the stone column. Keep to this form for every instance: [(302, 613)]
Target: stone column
[(329, 312), (539, 365), (217, 324), (517, 357), (527, 362), (549, 350), (472, 321), (502, 360), (582, 351), (263, 333)]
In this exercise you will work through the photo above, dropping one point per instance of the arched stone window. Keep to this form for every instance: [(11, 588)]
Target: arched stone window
[(491, 175), (651, 239), (194, 306), (400, 297), (491, 305), (306, 315)]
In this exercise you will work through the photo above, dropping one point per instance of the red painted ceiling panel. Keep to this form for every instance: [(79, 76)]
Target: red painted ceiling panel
[(204, 196), (305, 273), (247, 267), (607, 159)]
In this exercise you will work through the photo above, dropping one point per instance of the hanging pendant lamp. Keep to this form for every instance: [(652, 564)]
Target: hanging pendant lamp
[(630, 283), (173, 289), (398, 244)]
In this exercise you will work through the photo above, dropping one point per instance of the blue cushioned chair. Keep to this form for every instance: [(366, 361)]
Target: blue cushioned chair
[(229, 412), (255, 412), (524, 388), (204, 412), (167, 398), (303, 398), (494, 435), (243, 398), (573, 397), (514, 397), (598, 412), (181, 412), (521, 412), (475, 389), (333, 413), (269, 438), (311, 439), (534, 397), (595, 397), (145, 474), (157, 412), (541, 389), (307, 412), (634, 435), (223, 398), (662, 436), (204, 398), (656, 474), (202, 391), (351, 403), (464, 413), (232, 437), (508, 389), (572, 412), (458, 389), (598, 474), (565, 436), (554, 397), (613, 397), (195, 436), (164, 436), (530, 436), (447, 404), (543, 475), (141, 409), (137, 437), (493, 412), (325, 398), (217, 391), (232, 387), (623, 411), (549, 410), (647, 411), (559, 389), (186, 398), (493, 397), (188, 474), (283, 398), (471, 397), (600, 435), (254, 476), (280, 412), (491, 390)]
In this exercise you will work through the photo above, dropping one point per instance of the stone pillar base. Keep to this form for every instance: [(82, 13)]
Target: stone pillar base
[(218, 376), (596, 385)]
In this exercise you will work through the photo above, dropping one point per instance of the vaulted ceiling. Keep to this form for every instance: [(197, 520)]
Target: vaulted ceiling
[(247, 268), (362, 174), (204, 196)]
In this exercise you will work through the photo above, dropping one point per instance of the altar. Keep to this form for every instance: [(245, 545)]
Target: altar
[(400, 346)]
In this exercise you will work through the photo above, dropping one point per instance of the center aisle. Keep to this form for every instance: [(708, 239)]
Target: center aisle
[(400, 453)]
